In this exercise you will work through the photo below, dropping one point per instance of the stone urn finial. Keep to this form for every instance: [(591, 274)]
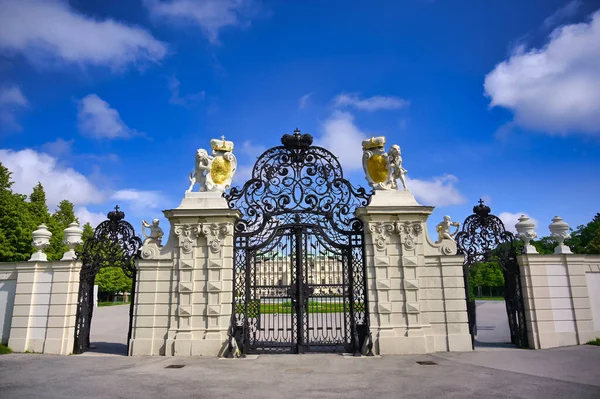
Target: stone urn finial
[(525, 229), (72, 239), (559, 231), (41, 241)]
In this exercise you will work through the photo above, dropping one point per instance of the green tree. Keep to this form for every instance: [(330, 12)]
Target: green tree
[(88, 232), (586, 238), (15, 222), (485, 274), (5, 178), (58, 222), (37, 205), (111, 280), (544, 245)]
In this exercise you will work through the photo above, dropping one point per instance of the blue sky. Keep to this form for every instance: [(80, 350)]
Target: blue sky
[(106, 102)]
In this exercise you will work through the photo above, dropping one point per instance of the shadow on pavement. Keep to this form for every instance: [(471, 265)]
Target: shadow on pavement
[(480, 344), (108, 348)]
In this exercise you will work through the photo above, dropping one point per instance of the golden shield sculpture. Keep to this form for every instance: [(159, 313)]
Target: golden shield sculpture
[(220, 170), (377, 167)]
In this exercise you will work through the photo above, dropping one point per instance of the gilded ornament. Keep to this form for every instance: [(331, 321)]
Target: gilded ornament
[(214, 173), (382, 168), (220, 170), (377, 167)]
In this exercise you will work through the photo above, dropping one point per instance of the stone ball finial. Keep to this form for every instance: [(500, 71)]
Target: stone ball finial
[(559, 231), (525, 229), (72, 239), (41, 241)]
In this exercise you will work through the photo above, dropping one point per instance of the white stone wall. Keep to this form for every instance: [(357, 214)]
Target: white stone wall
[(8, 288), (42, 318), (415, 288), (592, 274), (560, 297), (152, 308), (185, 289)]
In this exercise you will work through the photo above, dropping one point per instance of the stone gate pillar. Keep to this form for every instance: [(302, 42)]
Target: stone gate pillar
[(193, 273), (415, 287)]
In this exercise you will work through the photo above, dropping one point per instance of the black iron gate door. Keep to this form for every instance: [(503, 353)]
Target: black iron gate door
[(114, 244), (299, 255), (484, 239)]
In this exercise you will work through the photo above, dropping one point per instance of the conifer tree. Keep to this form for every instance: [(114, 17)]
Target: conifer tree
[(15, 222), (59, 221)]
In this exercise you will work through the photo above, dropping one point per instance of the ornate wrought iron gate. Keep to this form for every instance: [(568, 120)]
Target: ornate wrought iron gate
[(114, 244), (299, 254), (483, 238)]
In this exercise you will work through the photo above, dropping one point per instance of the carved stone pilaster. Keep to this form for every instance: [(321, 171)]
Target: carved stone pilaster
[(215, 234), (216, 285), (186, 234), (409, 233), (381, 232)]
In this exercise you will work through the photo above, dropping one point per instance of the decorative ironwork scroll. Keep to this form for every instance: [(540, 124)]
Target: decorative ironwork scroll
[(299, 254), (483, 238), (114, 244)]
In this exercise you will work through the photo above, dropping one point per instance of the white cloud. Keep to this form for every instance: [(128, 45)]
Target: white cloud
[(51, 32), (58, 147), (210, 15), (252, 150), (140, 200), (567, 11), (369, 104), (510, 219), (11, 101), (555, 89), (303, 101), (30, 167), (98, 120), (186, 100), (344, 139), (85, 216), (242, 175), (438, 191)]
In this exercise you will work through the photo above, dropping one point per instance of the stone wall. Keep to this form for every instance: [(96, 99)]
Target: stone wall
[(184, 289), (562, 300), (8, 288), (42, 317), (416, 289)]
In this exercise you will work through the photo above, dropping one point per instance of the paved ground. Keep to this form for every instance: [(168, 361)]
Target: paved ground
[(492, 325), (109, 327), (562, 373), (492, 372)]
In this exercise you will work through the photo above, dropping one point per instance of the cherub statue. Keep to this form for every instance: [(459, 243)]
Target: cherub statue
[(443, 229), (398, 172), (203, 165), (156, 233)]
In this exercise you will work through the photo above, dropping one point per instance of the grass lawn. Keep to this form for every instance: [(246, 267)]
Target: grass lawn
[(112, 303), (286, 307), (4, 350), (594, 342), (489, 298)]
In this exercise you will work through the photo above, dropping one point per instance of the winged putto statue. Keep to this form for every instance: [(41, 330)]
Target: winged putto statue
[(383, 169)]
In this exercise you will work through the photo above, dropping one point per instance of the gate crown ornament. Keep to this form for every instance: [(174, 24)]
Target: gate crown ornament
[(382, 169), (297, 141)]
